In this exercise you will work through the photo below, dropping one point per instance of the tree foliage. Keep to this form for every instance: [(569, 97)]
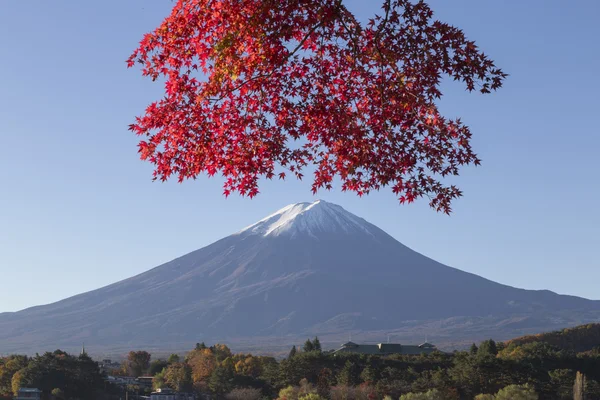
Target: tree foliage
[(173, 358), (178, 376), (517, 392), (138, 362), (59, 372), (293, 352), (265, 88), (157, 366), (308, 346), (9, 366), (579, 339), (432, 394), (517, 372), (202, 363)]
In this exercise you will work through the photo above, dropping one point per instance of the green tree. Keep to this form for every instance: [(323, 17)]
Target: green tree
[(432, 394), (200, 346), (316, 344), (473, 349), (57, 394), (173, 358), (293, 352), (488, 347), (561, 381), (77, 377), (308, 346), (369, 374), (517, 392), (157, 366), (349, 375), (288, 393), (158, 381), (221, 380)]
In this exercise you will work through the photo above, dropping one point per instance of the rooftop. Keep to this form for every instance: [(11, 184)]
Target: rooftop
[(386, 348)]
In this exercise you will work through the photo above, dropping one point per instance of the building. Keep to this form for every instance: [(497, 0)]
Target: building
[(384, 349), (144, 381), (169, 394), (29, 394)]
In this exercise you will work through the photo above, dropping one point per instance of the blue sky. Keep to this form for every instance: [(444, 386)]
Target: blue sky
[(78, 210)]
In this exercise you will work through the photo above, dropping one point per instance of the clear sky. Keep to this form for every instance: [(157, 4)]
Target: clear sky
[(78, 210)]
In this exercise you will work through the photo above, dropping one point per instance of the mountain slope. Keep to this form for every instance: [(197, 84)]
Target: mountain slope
[(310, 268), (578, 339)]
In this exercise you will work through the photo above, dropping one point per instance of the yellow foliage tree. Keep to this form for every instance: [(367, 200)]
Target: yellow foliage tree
[(203, 362)]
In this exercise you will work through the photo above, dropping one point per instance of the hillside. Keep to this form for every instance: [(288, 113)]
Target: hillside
[(308, 269), (578, 339)]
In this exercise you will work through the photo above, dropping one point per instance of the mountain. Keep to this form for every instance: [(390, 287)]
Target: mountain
[(309, 268)]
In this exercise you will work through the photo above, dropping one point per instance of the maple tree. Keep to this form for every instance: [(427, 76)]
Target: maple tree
[(265, 88)]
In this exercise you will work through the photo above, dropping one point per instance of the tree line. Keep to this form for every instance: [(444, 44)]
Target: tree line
[(488, 371)]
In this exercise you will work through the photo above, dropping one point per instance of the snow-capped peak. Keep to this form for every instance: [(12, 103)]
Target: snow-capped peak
[(309, 218)]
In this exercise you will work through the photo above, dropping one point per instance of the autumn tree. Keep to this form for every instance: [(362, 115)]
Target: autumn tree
[(138, 362), (324, 382), (268, 88), (248, 365), (8, 367), (220, 351), (178, 376), (202, 363)]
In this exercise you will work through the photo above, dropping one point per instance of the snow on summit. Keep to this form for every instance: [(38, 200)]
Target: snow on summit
[(308, 218)]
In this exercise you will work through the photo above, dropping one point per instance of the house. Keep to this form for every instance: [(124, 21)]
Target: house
[(384, 349), (29, 394)]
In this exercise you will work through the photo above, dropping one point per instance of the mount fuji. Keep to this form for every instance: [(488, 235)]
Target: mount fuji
[(308, 269)]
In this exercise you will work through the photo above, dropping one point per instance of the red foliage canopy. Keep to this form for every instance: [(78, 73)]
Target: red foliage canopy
[(255, 88)]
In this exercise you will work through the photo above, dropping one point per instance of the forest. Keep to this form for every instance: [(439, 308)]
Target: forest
[(526, 368)]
